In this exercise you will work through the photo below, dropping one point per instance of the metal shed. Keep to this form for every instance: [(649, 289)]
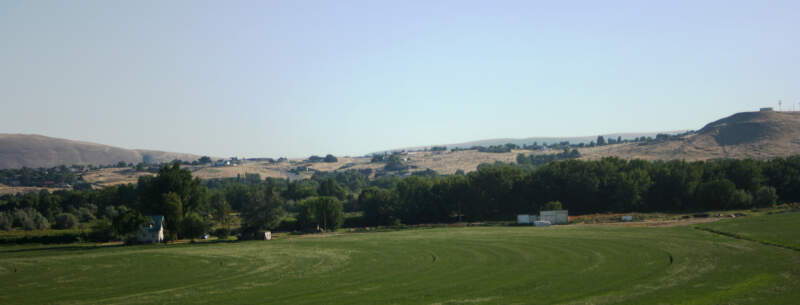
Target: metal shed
[(555, 217)]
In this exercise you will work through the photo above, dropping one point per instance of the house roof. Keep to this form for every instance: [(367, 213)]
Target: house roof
[(155, 224)]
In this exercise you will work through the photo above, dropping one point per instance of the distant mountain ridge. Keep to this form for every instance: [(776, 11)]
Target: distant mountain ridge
[(30, 150), (541, 140)]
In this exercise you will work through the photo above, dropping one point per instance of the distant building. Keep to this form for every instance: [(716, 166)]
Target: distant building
[(555, 217), (152, 231), (766, 109), (550, 217)]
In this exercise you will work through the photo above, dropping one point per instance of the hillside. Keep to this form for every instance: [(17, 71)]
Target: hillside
[(18, 150), (757, 135)]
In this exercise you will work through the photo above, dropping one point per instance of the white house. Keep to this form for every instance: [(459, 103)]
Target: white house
[(153, 230)]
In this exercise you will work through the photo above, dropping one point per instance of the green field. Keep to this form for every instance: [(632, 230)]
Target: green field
[(576, 264)]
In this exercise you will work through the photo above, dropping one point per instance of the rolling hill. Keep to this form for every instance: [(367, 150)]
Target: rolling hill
[(757, 135), (18, 150)]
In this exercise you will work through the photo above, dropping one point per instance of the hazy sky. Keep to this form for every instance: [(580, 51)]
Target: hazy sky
[(295, 78)]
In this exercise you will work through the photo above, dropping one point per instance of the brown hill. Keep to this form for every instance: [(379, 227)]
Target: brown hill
[(757, 135), (18, 150)]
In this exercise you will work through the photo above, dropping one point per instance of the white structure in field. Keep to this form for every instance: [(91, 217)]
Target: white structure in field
[(551, 217), (152, 231), (627, 218), (555, 217), (542, 223), (267, 235)]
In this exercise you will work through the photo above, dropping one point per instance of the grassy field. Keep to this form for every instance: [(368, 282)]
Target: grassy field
[(776, 229), (576, 264)]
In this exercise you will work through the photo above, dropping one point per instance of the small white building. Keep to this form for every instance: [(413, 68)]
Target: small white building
[(555, 217), (627, 218), (523, 219), (152, 231)]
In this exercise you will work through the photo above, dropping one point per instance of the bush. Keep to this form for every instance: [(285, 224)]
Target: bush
[(6, 221), (222, 233), (66, 221), (30, 219), (101, 231), (43, 237)]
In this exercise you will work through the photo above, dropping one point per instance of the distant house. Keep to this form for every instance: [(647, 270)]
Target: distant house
[(152, 231)]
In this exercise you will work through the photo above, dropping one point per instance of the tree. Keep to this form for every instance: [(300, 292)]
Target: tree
[(552, 205), (126, 224), (716, 194), (193, 226), (263, 212), (379, 206), (172, 210), (66, 221), (323, 212), (601, 141), (187, 195), (766, 196), (221, 210), (300, 189), (6, 221), (331, 159), (329, 187), (204, 160)]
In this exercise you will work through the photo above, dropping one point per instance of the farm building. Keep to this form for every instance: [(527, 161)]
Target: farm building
[(555, 217), (552, 217), (152, 231)]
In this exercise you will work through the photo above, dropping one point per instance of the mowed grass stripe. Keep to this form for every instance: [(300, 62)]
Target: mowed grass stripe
[(478, 265)]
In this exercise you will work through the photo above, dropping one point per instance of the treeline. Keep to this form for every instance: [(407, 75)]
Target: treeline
[(500, 191), (26, 176), (493, 192), (538, 160)]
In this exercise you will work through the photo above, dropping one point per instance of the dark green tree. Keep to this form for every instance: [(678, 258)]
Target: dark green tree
[(193, 226), (324, 212), (329, 187), (263, 211)]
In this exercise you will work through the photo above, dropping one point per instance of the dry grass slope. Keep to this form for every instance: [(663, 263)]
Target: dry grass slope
[(18, 150)]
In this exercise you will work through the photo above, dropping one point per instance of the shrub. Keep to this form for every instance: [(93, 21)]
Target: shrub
[(66, 221), (222, 233), (101, 231), (30, 219), (6, 221), (40, 222)]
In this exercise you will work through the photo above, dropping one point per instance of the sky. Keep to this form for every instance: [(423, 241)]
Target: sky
[(298, 78)]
